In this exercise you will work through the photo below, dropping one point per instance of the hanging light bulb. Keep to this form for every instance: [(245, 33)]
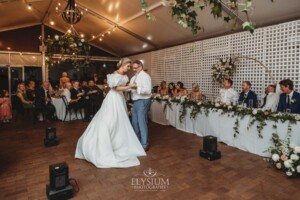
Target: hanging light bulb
[(29, 6), (100, 39)]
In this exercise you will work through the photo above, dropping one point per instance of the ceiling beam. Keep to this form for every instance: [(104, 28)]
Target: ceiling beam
[(114, 24), (47, 12), (101, 48), (19, 26), (230, 12)]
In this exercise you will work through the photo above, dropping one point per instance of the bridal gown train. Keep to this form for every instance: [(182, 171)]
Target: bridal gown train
[(109, 140)]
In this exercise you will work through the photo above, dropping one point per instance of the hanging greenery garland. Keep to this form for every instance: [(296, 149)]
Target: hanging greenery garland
[(71, 48), (186, 12)]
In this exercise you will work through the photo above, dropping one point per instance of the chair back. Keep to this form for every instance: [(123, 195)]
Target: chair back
[(64, 98)]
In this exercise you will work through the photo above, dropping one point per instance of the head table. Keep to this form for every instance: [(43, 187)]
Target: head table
[(221, 126)]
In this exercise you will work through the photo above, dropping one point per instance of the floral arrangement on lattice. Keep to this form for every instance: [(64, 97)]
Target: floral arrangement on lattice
[(285, 156), (69, 46), (224, 69)]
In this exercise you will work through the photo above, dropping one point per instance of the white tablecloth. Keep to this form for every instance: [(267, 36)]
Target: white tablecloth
[(221, 126), (61, 110)]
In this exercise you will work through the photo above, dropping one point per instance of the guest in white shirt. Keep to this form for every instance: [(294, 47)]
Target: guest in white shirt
[(227, 94), (272, 99), (141, 94)]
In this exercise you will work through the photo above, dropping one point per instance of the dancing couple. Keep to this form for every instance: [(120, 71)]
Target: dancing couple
[(110, 140)]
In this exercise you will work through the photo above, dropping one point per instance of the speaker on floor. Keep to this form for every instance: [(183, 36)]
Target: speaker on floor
[(210, 148), (50, 137), (59, 187)]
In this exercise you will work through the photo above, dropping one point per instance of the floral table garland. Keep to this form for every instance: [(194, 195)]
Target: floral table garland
[(256, 115), (285, 156)]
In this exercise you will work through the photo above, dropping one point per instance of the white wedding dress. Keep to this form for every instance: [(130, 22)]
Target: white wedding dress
[(110, 141)]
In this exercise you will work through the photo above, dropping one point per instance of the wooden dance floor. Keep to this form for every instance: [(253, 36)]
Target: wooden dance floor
[(24, 168)]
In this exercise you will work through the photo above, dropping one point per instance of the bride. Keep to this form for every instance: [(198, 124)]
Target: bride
[(110, 141)]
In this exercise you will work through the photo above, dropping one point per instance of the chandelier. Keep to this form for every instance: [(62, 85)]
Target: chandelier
[(71, 14)]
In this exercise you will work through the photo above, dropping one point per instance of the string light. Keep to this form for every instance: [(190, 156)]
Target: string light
[(29, 6), (52, 23), (100, 39), (82, 35)]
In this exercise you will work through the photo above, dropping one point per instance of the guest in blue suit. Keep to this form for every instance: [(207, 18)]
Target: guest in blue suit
[(246, 95), (289, 99)]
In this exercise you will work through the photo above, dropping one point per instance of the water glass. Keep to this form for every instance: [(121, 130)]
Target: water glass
[(250, 103)]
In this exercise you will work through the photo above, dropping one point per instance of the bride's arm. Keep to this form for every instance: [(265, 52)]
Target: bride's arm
[(124, 88)]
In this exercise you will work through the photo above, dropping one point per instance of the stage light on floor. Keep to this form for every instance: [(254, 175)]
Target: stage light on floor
[(210, 149), (59, 187), (50, 137)]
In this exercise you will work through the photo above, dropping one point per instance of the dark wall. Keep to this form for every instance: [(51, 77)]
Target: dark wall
[(27, 40), (101, 68)]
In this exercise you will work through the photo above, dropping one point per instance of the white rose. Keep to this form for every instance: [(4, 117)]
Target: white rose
[(166, 97), (224, 60), (183, 98), (298, 168), (288, 163), (56, 37), (289, 173), (254, 112), (297, 149), (177, 98), (292, 146), (82, 40), (297, 117), (217, 105), (275, 157), (199, 103), (294, 157), (229, 107)]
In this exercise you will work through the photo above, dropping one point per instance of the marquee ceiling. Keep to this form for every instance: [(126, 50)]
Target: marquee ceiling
[(135, 33)]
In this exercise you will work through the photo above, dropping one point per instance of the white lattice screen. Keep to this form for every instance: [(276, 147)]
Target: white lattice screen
[(278, 47)]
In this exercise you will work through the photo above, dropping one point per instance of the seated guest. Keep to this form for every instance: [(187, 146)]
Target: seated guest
[(84, 86), (227, 95), (30, 92), (289, 99), (95, 95), (96, 79), (180, 90), (162, 89), (272, 99), (171, 89), (195, 94), (21, 94), (105, 86), (77, 94), (64, 79), (43, 101), (5, 107), (246, 95)]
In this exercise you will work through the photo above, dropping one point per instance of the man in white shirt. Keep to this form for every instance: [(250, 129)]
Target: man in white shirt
[(272, 99), (227, 94), (141, 97)]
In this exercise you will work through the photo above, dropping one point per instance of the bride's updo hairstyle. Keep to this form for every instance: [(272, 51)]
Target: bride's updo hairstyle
[(123, 61)]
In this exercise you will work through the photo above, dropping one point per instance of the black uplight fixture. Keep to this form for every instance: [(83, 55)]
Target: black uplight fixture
[(50, 137), (59, 187), (210, 148)]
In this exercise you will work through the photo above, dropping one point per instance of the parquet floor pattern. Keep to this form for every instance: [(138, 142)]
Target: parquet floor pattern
[(24, 163)]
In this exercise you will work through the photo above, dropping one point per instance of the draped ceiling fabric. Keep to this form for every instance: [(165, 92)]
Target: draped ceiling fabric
[(136, 34)]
